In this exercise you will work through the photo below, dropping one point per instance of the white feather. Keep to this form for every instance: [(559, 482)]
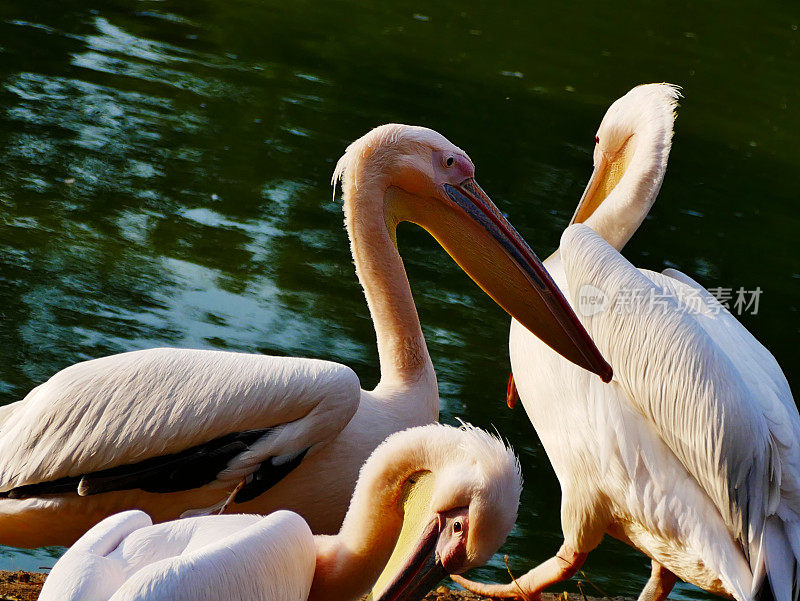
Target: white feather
[(276, 558)]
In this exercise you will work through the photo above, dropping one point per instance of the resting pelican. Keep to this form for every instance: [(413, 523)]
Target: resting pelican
[(692, 453), (171, 430), (471, 509)]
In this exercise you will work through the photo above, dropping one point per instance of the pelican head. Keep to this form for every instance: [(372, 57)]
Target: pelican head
[(473, 501), (430, 501), (631, 150), (401, 173)]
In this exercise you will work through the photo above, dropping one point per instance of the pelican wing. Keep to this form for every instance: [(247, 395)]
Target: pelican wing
[(85, 572), (712, 393), (751, 358), (125, 557), (172, 419), (271, 558)]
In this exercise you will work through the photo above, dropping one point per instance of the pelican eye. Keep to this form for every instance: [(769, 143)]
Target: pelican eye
[(449, 161), (597, 139), (457, 527)]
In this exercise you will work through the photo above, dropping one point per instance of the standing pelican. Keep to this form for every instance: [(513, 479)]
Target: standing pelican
[(692, 453), (169, 430), (476, 485)]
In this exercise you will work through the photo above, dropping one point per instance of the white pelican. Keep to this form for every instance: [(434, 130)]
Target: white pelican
[(476, 484), (170, 430), (692, 453)]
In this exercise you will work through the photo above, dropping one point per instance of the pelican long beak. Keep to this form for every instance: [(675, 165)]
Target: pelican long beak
[(605, 177), (420, 572), (594, 193), (494, 255)]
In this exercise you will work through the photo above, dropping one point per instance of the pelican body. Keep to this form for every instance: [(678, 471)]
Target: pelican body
[(692, 453), (470, 511), (171, 431)]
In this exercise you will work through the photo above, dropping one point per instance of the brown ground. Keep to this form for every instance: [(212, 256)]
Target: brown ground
[(445, 594), (20, 586), (25, 586)]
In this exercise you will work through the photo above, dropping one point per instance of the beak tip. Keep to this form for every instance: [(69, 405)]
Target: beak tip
[(606, 373), (512, 394)]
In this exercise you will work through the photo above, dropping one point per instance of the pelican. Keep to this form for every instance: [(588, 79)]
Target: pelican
[(170, 430), (472, 506), (692, 453)]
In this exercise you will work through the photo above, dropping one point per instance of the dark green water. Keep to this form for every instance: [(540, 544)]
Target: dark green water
[(164, 172)]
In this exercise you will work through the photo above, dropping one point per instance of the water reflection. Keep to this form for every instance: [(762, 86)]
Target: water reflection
[(165, 166)]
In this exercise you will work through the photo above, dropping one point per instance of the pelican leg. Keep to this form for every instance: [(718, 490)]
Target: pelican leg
[(660, 584), (529, 586)]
